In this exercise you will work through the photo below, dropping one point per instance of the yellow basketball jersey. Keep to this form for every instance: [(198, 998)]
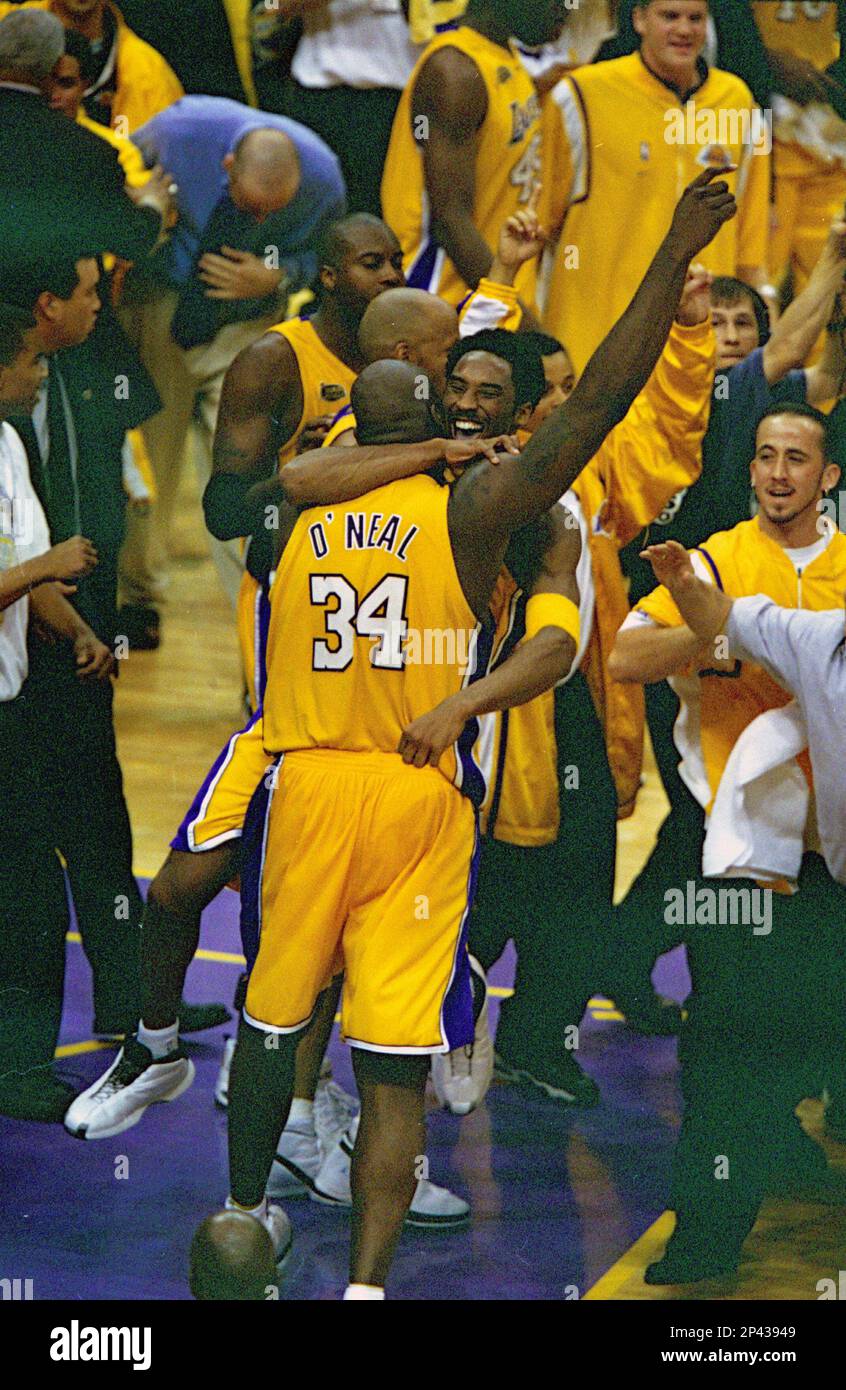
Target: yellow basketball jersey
[(508, 162), (326, 380), (517, 750), (717, 708), (369, 628), (806, 28)]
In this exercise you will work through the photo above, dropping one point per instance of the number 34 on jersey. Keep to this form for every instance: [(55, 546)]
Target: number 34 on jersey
[(380, 614)]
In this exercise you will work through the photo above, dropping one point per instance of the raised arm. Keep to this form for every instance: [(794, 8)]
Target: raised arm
[(704, 607), (488, 503), (802, 322)]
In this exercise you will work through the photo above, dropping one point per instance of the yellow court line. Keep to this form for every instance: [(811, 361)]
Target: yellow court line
[(635, 1259), (226, 957), (74, 1049)]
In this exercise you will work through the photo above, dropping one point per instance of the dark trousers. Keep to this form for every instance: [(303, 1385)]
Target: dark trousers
[(641, 931), (33, 901), (554, 901), (356, 125), (766, 1027), (91, 826)]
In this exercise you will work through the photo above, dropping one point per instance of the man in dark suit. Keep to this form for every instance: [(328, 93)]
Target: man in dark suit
[(61, 188), (96, 390)]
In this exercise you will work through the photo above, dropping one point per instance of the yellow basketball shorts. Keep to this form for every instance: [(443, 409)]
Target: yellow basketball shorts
[(356, 862), (218, 810)]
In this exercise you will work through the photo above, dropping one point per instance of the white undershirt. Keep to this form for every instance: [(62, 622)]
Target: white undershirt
[(355, 43), (23, 535)]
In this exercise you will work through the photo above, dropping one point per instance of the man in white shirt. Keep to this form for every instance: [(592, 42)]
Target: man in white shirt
[(34, 579)]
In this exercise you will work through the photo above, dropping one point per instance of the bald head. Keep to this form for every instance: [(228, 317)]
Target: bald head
[(391, 403), (413, 326), (264, 172), (232, 1258)]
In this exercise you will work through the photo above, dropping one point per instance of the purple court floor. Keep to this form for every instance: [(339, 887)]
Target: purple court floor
[(557, 1197)]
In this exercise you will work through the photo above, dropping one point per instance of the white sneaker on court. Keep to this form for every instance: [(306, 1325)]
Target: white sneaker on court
[(297, 1162), (278, 1227), (430, 1206), (334, 1111), (461, 1079), (221, 1086), (117, 1100)]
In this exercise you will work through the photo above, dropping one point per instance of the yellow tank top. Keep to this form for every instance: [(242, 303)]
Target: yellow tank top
[(326, 380), (369, 628), (508, 162), (806, 28)]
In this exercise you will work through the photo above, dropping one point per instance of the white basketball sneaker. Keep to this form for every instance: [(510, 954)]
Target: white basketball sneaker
[(461, 1079), (221, 1087), (297, 1162), (118, 1099), (334, 1111), (431, 1205)]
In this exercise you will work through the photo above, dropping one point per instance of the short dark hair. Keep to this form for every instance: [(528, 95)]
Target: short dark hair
[(725, 289), (14, 323), (805, 412), (523, 358), (78, 47), (21, 282), (543, 343)]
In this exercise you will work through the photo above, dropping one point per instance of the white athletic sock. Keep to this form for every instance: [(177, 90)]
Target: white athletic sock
[(160, 1041), (363, 1293), (301, 1115), (260, 1212)]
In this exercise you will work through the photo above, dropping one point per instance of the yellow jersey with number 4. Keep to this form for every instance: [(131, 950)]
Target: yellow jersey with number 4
[(369, 628), (508, 163)]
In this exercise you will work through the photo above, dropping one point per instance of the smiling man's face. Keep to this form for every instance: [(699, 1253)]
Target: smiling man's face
[(789, 471), (479, 397)]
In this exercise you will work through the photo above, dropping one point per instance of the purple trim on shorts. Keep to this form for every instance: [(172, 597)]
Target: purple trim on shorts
[(473, 784), (252, 863), (180, 839), (262, 618), (457, 1022)]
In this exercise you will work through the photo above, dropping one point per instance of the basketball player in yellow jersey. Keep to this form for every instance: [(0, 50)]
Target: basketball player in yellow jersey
[(297, 375), (465, 150), (347, 848), (806, 47)]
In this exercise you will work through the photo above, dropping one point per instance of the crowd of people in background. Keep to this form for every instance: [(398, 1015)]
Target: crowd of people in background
[(220, 220)]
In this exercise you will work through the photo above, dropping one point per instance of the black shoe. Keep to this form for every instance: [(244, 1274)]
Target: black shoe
[(690, 1268), (140, 626), (35, 1096), (649, 1013), (560, 1078), (193, 1018)]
